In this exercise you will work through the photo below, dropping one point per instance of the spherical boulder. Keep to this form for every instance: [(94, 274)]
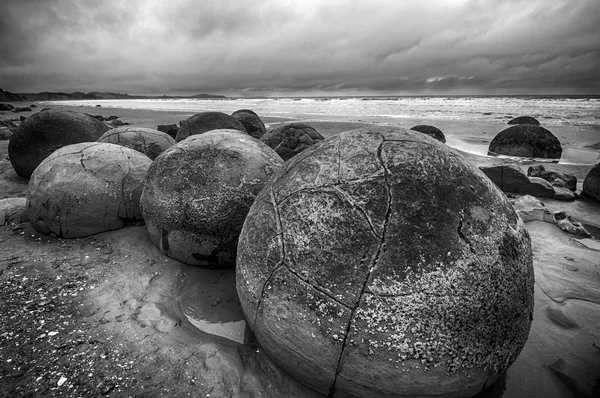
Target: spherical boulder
[(290, 139), (206, 121), (591, 183), (526, 140), (524, 120), (46, 131), (86, 188), (380, 263), (150, 142), (430, 131), (251, 122), (198, 193)]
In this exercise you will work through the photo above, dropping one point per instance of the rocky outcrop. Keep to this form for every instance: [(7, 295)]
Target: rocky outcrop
[(510, 178), (591, 183), (364, 246), (206, 121), (430, 131), (524, 120), (86, 188), (526, 140), (290, 139), (555, 178), (150, 142)]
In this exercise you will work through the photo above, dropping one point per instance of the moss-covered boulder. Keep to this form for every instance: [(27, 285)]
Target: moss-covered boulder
[(290, 139), (150, 142), (526, 140), (46, 131), (86, 188), (380, 263), (431, 131), (198, 193), (251, 122), (206, 121)]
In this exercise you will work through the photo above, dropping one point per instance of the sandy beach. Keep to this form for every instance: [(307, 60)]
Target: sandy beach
[(131, 321)]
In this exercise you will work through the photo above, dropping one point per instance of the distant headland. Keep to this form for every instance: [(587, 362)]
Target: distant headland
[(6, 96)]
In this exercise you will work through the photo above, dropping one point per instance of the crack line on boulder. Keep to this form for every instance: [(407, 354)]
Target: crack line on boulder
[(264, 289), (461, 234), (347, 197), (374, 264)]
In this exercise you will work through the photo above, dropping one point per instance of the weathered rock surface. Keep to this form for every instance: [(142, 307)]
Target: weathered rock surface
[(526, 140), (366, 267), (251, 122), (12, 210), (206, 121), (46, 131), (198, 193), (430, 131), (524, 120), (555, 178), (86, 188), (5, 133), (290, 139), (591, 183), (150, 142)]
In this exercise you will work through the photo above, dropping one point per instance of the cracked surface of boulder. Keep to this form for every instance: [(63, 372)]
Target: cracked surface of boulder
[(251, 122), (526, 140), (46, 131), (430, 131), (86, 188), (379, 263), (198, 193), (591, 183), (206, 121), (150, 142), (524, 120), (290, 139)]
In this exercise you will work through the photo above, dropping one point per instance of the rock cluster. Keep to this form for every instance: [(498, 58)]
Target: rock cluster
[(380, 263), (290, 139), (531, 209), (555, 178)]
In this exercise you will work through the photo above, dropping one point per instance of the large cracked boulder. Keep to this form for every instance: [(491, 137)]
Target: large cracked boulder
[(431, 131), (198, 193), (526, 140), (290, 139), (524, 120), (86, 188), (206, 121), (150, 142), (380, 263), (591, 183), (251, 122), (46, 131)]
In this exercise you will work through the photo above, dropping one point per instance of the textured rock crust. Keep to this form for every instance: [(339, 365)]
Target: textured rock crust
[(198, 193), (430, 131), (524, 120), (87, 188), (150, 142), (290, 139), (251, 122), (45, 132), (207, 121), (380, 263), (591, 183), (555, 178), (12, 210), (526, 140)]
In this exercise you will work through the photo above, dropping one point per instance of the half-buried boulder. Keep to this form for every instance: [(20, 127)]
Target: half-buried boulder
[(430, 131), (555, 178), (198, 193), (86, 188), (46, 131), (207, 121), (251, 122), (591, 183), (526, 140), (150, 142), (524, 120), (290, 139), (380, 263)]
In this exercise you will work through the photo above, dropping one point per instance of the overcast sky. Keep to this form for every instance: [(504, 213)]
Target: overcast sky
[(301, 47)]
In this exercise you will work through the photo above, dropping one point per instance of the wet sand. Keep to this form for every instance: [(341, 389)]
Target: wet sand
[(185, 305)]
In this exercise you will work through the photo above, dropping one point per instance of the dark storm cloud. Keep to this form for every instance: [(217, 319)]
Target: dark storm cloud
[(344, 46)]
